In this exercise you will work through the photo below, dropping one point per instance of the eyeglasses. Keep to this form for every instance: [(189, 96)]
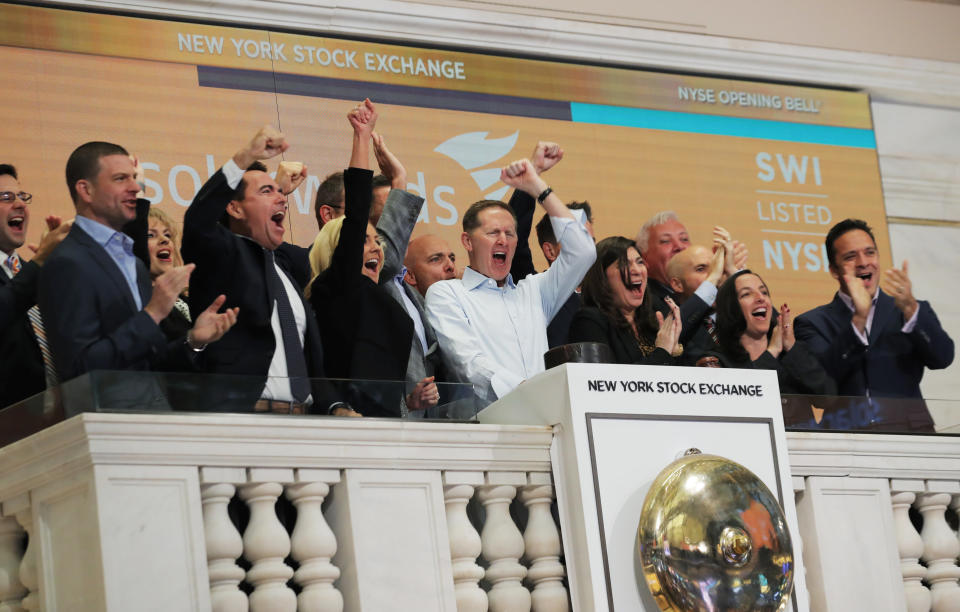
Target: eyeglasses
[(10, 196)]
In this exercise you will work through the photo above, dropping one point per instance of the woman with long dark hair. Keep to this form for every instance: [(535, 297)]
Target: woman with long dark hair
[(752, 335), (617, 308)]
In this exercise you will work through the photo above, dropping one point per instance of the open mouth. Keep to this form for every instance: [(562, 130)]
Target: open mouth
[(866, 277), (759, 313), (16, 222), (165, 255), (278, 217), (500, 256), (372, 264), (636, 288)]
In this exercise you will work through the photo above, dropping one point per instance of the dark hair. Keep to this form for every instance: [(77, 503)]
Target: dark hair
[(471, 218), (544, 228), (839, 230), (84, 162), (731, 323), (329, 193), (8, 169), (597, 292), (241, 190), (381, 181)]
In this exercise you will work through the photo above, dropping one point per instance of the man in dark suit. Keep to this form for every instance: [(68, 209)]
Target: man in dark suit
[(100, 310), (394, 226), (873, 342), (233, 231), (22, 371), (658, 240), (686, 271), (545, 156)]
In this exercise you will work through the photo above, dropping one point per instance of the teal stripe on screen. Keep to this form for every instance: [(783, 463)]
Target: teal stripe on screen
[(720, 125)]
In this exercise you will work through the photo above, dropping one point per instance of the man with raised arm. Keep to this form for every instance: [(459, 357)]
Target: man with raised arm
[(492, 331), (394, 226), (545, 156), (233, 232), (99, 308), (872, 341)]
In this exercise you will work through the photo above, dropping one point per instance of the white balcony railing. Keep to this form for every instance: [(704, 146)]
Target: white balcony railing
[(133, 512)]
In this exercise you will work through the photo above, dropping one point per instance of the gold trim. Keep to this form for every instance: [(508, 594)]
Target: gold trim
[(915, 221)]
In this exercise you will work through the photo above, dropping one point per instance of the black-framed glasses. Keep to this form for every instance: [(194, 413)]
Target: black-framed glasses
[(10, 196)]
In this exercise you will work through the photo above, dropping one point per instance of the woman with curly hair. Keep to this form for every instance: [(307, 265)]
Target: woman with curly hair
[(617, 308)]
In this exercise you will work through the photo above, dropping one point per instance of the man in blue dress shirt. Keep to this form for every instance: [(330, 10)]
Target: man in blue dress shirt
[(492, 331)]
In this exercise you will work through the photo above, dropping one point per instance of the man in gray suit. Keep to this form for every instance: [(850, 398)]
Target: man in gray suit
[(394, 227)]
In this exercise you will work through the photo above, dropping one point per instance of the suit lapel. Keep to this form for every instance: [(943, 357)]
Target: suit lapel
[(428, 332), (109, 267)]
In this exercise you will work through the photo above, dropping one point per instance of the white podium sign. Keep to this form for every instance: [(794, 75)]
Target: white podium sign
[(617, 427)]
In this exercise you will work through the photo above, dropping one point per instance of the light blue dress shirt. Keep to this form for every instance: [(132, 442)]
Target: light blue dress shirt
[(119, 247), (495, 337)]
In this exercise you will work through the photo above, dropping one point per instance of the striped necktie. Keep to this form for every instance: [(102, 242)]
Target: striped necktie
[(36, 321)]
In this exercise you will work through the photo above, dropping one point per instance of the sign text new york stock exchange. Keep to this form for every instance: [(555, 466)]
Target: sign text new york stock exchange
[(662, 387)]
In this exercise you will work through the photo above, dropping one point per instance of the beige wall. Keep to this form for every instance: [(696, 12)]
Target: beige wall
[(908, 28)]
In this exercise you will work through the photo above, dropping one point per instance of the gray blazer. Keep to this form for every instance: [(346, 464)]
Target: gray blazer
[(394, 228)]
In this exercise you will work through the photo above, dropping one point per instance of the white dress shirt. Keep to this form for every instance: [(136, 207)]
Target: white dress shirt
[(495, 337), (864, 336)]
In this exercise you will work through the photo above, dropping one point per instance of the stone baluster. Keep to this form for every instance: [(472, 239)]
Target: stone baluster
[(313, 543), (465, 544), (266, 543), (955, 506), (542, 544), (940, 549), (28, 566), (909, 544), (11, 554), (224, 544), (502, 543)]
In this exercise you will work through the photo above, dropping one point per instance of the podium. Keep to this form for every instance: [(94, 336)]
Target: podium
[(615, 428)]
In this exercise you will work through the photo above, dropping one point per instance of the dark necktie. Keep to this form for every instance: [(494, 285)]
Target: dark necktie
[(292, 348)]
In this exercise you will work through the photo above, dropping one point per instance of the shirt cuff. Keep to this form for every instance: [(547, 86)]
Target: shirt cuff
[(233, 173), (707, 292), (909, 326), (861, 335)]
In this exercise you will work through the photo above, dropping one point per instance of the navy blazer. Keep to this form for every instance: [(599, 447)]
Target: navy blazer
[(91, 318), (21, 364), (235, 266), (893, 364)]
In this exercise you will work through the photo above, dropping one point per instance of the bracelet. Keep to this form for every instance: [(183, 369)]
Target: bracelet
[(543, 194), (197, 349)]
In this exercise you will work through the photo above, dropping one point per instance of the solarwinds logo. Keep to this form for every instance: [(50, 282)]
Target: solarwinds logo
[(474, 150)]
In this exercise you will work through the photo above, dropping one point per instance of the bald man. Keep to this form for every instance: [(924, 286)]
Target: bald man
[(429, 259), (685, 272)]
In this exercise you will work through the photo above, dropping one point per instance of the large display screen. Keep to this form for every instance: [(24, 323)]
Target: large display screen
[(775, 164)]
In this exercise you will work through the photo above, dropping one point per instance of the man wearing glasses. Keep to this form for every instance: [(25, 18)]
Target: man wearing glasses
[(22, 337)]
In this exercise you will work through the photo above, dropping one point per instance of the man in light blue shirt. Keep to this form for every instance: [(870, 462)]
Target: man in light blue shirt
[(493, 332)]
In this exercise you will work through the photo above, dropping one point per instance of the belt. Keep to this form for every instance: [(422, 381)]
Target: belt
[(279, 406)]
